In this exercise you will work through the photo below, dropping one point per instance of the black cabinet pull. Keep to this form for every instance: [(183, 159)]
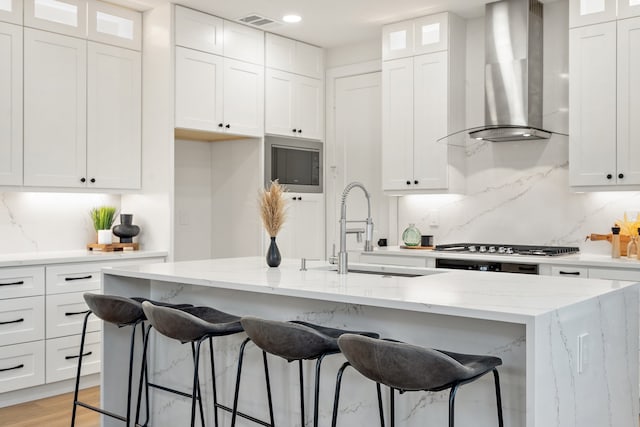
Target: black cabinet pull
[(83, 180), (299, 197), (93, 180), (609, 176), (620, 175), (70, 279), (527, 268), (294, 130), (75, 313), (12, 321), (220, 125), (570, 273), (415, 182), (299, 130), (88, 353), (15, 367), (408, 182), (21, 282), (228, 126)]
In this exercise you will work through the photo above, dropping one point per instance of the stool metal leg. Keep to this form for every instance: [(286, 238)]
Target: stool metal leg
[(336, 394), (196, 394), (392, 406), (239, 374), (75, 393), (269, 399), (316, 397), (452, 399), (301, 375), (215, 392), (380, 409), (496, 379), (144, 377)]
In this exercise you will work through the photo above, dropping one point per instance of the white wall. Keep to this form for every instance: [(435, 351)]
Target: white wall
[(518, 192), (355, 53)]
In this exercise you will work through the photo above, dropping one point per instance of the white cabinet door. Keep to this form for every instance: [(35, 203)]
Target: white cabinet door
[(430, 80), (197, 30), (243, 96), (114, 25), (397, 124), (21, 320), (588, 12), (10, 104), (59, 16), (243, 43), (302, 235), (431, 33), (293, 56), (628, 101), (628, 8), (199, 94), (62, 356), (21, 366), (592, 96), (113, 117), (11, 11), (309, 107), (55, 122), (397, 40), (309, 60), (279, 102)]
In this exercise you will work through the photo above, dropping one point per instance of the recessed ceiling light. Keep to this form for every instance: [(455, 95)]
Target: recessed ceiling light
[(291, 19)]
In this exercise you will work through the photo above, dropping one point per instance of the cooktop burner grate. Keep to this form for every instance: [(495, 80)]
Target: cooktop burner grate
[(502, 249)]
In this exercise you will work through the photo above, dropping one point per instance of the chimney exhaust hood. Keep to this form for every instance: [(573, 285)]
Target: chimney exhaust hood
[(513, 72)]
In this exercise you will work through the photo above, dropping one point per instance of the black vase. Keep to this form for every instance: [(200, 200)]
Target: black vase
[(126, 231), (273, 254)]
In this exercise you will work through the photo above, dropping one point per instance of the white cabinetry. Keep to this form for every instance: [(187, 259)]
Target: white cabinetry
[(589, 12), (114, 25), (55, 96), (294, 105), (10, 104), (11, 11), (114, 121), (294, 56), (422, 35), (59, 16), (302, 235), (604, 97), (421, 102), (197, 30), (218, 94)]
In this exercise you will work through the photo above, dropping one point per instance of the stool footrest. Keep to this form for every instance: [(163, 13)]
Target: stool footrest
[(171, 390), (243, 415), (102, 411)]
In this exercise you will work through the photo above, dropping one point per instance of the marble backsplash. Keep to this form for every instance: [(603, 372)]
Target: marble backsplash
[(42, 222)]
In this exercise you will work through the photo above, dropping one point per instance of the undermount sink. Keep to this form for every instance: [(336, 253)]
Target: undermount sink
[(386, 270), (386, 273)]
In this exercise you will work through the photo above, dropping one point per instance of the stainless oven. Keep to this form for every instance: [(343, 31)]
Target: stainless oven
[(481, 265), (295, 163)]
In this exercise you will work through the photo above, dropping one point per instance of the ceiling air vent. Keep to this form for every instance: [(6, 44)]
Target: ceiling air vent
[(258, 21)]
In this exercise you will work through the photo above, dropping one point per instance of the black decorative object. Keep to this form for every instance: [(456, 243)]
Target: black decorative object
[(126, 231), (273, 254)]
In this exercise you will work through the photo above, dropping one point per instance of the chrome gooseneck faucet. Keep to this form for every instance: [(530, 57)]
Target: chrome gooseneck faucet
[(368, 245)]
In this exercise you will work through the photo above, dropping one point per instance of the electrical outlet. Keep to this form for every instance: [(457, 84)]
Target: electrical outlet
[(583, 353)]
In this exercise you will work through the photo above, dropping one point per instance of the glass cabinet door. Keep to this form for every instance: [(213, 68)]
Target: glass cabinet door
[(11, 11), (628, 8), (397, 40), (59, 16), (115, 25), (588, 12), (431, 33)]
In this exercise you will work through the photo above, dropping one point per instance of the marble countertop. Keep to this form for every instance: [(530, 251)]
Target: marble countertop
[(588, 260), (58, 257), (515, 298)]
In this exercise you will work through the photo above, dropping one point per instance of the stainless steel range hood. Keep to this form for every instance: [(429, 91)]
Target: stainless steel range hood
[(513, 72)]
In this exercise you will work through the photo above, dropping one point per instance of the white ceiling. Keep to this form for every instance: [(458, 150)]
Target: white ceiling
[(326, 23)]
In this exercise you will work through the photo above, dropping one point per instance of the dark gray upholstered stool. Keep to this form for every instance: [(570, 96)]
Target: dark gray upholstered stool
[(406, 367), (121, 312), (193, 325), (293, 341)]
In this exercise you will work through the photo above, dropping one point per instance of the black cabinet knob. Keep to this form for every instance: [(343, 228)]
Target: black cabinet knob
[(408, 182), (83, 180), (93, 180), (415, 182), (299, 197), (220, 125), (609, 176), (294, 130), (228, 126), (299, 130), (620, 175)]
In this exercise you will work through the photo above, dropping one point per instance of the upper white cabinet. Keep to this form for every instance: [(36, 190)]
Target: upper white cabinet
[(218, 94), (589, 12), (604, 96), (208, 33), (55, 132), (294, 105), (10, 104), (11, 11), (114, 91), (294, 56), (422, 97), (114, 25), (60, 16), (422, 35)]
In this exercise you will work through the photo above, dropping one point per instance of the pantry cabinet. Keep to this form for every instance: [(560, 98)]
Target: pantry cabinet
[(604, 96), (10, 104), (293, 105), (11, 11)]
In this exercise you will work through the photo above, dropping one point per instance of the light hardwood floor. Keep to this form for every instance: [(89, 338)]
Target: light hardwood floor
[(53, 411)]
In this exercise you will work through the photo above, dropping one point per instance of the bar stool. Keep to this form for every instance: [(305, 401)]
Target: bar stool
[(406, 367), (194, 325), (121, 312), (293, 341)]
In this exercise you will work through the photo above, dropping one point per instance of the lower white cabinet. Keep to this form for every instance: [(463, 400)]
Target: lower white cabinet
[(62, 356), (22, 366), (21, 282), (569, 271), (21, 320), (66, 313), (74, 277), (302, 235)]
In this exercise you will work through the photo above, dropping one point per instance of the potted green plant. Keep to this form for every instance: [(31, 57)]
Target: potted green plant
[(103, 218)]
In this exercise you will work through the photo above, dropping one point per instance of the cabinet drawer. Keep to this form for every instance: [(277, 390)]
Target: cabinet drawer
[(21, 282), (614, 274), (62, 356), (569, 271), (393, 260), (21, 366), (65, 315), (21, 320), (73, 278)]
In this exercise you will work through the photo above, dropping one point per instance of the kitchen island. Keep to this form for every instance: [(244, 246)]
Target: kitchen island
[(569, 346)]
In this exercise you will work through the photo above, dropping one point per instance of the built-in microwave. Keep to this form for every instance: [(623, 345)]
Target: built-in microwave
[(295, 163)]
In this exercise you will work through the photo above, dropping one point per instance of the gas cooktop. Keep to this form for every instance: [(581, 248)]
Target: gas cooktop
[(507, 249)]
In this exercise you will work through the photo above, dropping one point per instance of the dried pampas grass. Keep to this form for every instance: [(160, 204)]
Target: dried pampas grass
[(273, 208)]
